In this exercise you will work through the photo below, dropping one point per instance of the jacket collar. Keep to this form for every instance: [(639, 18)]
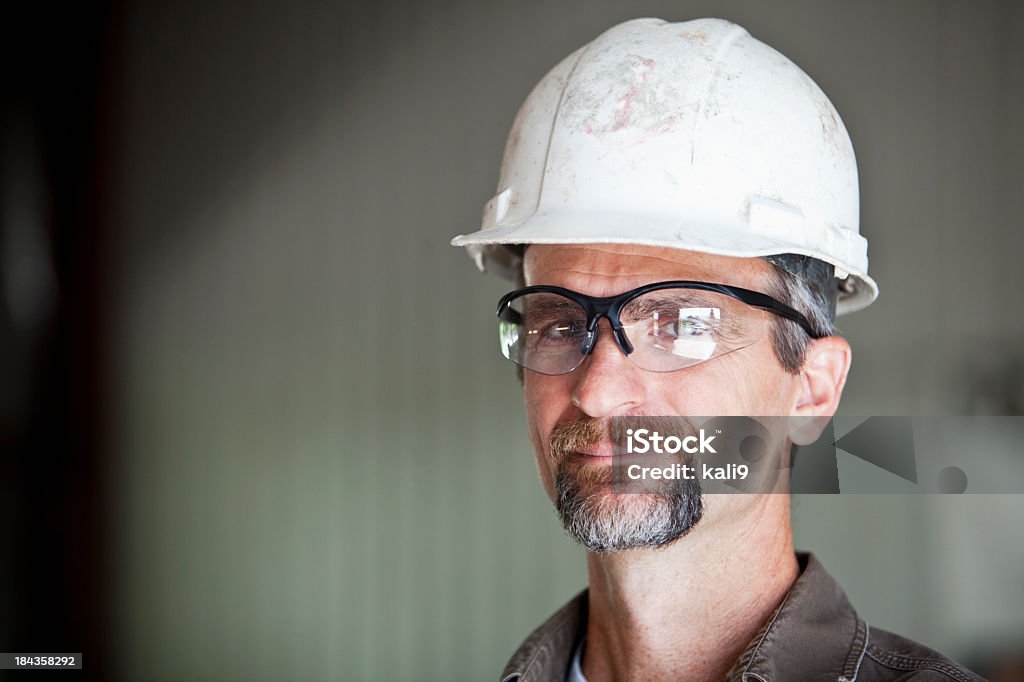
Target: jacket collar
[(814, 633), (545, 654)]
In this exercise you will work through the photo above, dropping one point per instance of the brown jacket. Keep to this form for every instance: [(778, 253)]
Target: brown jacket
[(814, 635)]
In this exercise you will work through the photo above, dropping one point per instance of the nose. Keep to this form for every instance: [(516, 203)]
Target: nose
[(608, 384)]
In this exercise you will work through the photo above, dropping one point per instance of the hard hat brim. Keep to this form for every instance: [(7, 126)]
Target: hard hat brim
[(486, 246)]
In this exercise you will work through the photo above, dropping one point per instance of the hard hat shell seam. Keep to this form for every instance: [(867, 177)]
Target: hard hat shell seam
[(555, 119), (727, 43)]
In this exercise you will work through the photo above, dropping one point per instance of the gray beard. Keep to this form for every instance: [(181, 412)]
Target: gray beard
[(604, 521), (606, 517)]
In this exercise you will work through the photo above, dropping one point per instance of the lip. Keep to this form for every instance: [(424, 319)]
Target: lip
[(605, 450)]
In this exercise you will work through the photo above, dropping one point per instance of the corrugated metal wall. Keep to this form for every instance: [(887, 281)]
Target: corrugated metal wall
[(323, 466)]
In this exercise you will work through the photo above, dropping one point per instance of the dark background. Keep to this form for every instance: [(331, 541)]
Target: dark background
[(54, 562)]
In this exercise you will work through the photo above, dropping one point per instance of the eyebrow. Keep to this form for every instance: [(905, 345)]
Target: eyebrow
[(553, 306), (681, 299)]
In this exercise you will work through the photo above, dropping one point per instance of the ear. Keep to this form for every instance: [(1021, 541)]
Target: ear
[(822, 378)]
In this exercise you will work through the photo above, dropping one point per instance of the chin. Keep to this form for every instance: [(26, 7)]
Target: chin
[(602, 520)]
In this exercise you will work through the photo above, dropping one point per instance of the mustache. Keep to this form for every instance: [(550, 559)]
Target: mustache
[(570, 437), (578, 434)]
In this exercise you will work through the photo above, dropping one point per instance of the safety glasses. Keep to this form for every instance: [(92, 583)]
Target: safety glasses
[(661, 327)]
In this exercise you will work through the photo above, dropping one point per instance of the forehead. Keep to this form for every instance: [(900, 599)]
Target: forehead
[(608, 269)]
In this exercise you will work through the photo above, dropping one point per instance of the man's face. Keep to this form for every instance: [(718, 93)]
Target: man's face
[(568, 414)]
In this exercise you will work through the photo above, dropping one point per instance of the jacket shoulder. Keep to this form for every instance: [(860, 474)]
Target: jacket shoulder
[(546, 652), (889, 656)]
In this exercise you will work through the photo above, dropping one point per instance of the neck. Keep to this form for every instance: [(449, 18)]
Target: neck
[(687, 611)]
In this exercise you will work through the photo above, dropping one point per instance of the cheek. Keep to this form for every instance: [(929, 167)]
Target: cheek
[(768, 387), (727, 386), (546, 399)]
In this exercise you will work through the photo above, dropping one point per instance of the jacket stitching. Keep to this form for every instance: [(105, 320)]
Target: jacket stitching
[(867, 640), (764, 635), (898, 662), (861, 637)]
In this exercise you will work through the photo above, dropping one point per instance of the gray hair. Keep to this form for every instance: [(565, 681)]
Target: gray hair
[(808, 286)]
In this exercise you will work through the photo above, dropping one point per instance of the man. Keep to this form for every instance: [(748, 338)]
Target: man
[(680, 202)]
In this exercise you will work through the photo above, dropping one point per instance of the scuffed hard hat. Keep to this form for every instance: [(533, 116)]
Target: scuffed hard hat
[(691, 135)]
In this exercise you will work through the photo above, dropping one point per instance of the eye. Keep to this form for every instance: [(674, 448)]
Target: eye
[(559, 332), (692, 326), (685, 322)]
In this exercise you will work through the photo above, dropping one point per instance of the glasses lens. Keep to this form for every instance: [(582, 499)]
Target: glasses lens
[(543, 332), (675, 328)]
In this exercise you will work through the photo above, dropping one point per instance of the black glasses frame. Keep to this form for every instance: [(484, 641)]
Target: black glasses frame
[(609, 307)]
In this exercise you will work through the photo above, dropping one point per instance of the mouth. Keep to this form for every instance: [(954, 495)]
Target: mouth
[(604, 450), (584, 441)]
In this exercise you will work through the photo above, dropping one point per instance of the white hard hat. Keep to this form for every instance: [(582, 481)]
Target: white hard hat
[(691, 135)]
